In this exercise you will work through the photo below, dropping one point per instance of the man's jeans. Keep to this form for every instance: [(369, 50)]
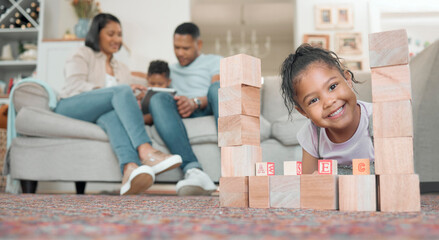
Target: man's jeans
[(169, 124), (116, 111)]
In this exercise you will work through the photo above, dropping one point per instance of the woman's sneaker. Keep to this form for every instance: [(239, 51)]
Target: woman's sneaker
[(162, 162), (136, 180), (195, 183)]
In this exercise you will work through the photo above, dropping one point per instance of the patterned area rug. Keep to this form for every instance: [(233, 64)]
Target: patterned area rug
[(146, 216)]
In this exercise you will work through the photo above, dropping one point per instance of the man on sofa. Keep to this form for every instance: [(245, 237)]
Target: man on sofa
[(196, 79)]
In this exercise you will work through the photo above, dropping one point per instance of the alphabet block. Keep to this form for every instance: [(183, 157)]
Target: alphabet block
[(259, 192), (238, 130), (285, 191), (361, 166), (234, 191), (388, 48), (292, 168), (240, 69), (239, 161), (399, 193), (319, 191), (392, 119), (391, 83), (357, 192), (264, 169), (328, 167), (394, 155), (239, 99)]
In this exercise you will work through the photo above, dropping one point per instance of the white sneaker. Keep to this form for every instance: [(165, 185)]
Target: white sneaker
[(136, 180), (195, 183)]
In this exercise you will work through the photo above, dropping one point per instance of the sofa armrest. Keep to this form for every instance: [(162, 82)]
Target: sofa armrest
[(30, 95), (37, 122)]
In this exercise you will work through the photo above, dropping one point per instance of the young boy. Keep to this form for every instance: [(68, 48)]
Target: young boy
[(158, 76)]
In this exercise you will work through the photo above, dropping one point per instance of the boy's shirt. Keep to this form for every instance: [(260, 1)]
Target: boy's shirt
[(358, 146)]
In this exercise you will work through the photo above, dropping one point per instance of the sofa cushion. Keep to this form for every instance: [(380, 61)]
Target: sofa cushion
[(272, 107), (285, 129), (37, 122), (30, 94)]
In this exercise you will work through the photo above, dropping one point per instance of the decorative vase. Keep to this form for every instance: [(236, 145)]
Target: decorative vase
[(81, 28)]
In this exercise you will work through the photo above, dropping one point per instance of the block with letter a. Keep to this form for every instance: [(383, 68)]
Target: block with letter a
[(264, 169), (327, 167)]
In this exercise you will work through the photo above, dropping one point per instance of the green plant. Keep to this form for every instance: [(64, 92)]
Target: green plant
[(85, 8)]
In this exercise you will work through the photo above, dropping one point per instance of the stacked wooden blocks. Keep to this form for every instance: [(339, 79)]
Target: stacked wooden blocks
[(398, 186), (239, 128)]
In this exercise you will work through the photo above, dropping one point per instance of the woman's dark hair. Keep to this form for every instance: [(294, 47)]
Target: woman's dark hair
[(297, 62), (188, 28), (158, 67), (98, 22)]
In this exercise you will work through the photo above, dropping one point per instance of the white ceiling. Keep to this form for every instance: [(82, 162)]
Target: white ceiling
[(272, 18)]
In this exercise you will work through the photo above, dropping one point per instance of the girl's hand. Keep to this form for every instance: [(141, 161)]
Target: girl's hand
[(185, 106)]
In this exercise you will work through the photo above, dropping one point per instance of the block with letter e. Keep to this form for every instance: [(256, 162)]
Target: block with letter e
[(327, 167)]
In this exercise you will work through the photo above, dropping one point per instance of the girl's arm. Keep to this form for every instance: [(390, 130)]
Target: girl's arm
[(309, 163)]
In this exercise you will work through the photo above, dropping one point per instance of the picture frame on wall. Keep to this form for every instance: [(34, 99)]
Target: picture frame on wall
[(348, 43), (324, 18), (317, 40), (354, 65), (344, 17)]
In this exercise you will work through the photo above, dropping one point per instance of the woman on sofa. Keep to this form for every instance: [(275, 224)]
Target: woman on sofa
[(96, 90)]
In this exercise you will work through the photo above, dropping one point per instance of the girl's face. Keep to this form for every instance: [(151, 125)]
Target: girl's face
[(110, 38), (326, 97)]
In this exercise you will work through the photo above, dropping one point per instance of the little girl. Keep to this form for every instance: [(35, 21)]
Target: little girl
[(318, 85)]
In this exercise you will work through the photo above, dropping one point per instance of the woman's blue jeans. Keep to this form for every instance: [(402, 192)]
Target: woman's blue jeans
[(116, 111), (169, 124)]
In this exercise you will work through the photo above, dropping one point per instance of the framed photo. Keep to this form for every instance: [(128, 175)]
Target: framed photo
[(315, 40), (324, 18), (348, 43), (344, 17), (354, 65)]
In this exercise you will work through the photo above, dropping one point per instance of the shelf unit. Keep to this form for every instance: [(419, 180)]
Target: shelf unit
[(16, 36)]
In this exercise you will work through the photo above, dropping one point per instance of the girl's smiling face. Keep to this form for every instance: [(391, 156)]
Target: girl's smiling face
[(326, 97)]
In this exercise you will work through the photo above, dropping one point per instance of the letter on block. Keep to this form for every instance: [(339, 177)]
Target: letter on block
[(234, 192), (399, 193), (361, 166), (394, 155), (240, 69), (239, 99), (292, 168), (393, 119), (259, 192), (388, 48), (319, 191), (238, 130), (285, 191), (327, 167), (391, 83), (357, 192), (240, 161), (264, 169)]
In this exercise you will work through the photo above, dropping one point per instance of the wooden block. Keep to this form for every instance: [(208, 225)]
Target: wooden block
[(357, 192), (259, 192), (392, 119), (239, 99), (328, 167), (240, 161), (292, 168), (388, 48), (285, 191), (238, 130), (394, 155), (319, 191), (234, 191), (361, 166), (264, 169), (240, 69), (391, 83), (399, 193)]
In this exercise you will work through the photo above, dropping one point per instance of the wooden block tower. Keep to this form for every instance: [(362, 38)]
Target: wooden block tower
[(398, 186), (239, 130)]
